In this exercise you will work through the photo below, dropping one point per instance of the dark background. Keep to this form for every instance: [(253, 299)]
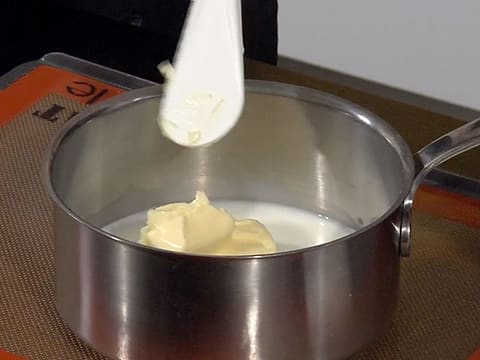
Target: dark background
[(128, 35)]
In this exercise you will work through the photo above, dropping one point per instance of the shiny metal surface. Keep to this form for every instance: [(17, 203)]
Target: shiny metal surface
[(16, 73), (283, 151), (453, 183), (292, 146), (442, 149)]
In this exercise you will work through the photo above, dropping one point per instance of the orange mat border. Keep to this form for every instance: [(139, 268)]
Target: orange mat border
[(475, 355), (46, 79), (448, 205), (9, 356)]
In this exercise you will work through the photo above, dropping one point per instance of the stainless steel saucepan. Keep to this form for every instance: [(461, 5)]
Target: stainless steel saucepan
[(293, 146)]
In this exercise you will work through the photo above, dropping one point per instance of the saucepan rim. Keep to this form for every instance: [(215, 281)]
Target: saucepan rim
[(300, 93)]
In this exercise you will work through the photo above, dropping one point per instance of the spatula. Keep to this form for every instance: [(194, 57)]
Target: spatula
[(204, 92)]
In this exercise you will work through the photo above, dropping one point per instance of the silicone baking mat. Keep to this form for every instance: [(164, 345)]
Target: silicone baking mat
[(438, 314)]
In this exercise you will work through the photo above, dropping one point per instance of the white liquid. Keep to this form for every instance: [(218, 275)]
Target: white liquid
[(291, 228)]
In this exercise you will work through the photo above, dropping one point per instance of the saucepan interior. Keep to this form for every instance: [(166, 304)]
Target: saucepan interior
[(292, 146)]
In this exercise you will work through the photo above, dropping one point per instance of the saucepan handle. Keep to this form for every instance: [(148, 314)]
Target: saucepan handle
[(457, 141)]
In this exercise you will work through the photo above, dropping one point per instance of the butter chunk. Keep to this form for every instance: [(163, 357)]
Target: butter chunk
[(199, 227)]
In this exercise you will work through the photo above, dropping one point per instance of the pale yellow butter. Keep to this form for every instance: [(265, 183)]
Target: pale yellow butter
[(198, 227), (185, 120)]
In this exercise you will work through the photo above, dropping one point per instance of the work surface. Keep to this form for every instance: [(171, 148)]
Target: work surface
[(438, 314)]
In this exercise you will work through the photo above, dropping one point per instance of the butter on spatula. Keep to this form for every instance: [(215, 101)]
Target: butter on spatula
[(204, 91)]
